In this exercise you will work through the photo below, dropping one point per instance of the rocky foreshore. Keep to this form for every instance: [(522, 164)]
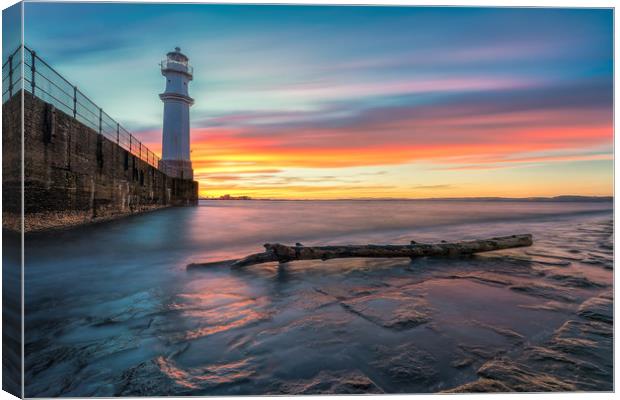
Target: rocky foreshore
[(531, 319)]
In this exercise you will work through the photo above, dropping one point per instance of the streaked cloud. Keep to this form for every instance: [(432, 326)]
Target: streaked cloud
[(332, 102)]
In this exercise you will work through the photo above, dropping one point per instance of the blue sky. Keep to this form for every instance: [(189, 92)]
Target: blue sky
[(11, 29), (384, 88)]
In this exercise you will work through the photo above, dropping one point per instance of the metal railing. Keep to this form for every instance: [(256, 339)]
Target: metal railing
[(42, 81), (12, 75)]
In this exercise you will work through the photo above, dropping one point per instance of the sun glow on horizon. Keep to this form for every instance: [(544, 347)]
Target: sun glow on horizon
[(527, 162)]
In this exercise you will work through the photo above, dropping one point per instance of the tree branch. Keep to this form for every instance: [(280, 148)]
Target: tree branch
[(282, 253)]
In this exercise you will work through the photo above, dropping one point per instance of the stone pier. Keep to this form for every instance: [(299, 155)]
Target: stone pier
[(73, 175)]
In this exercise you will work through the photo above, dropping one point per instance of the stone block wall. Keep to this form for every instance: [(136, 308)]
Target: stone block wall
[(74, 175)]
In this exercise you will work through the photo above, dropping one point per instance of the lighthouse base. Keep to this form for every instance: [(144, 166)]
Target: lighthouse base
[(177, 168)]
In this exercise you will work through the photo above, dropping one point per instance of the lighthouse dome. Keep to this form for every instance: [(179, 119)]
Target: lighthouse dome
[(176, 61), (177, 56)]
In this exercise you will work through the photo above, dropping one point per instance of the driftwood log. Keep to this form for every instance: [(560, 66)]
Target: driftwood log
[(282, 253)]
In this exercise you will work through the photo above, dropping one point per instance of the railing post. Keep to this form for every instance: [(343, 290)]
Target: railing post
[(33, 69), (100, 112), (10, 75), (130, 143), (140, 150), (74, 101), (118, 131)]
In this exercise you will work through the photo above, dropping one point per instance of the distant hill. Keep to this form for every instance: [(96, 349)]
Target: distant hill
[(566, 198)]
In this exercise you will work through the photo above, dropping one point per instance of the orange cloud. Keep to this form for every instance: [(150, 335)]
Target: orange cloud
[(249, 153), (454, 142)]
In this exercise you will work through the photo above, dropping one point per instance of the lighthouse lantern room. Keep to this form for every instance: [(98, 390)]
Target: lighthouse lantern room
[(175, 160)]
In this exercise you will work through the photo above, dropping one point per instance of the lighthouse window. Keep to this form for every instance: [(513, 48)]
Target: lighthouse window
[(168, 80)]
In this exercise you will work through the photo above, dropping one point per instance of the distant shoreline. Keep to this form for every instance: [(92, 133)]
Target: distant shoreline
[(564, 198)]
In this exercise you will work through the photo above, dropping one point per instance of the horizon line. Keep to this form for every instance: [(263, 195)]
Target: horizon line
[(530, 198)]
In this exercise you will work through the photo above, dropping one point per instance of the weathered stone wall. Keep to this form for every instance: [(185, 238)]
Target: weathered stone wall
[(73, 175), (12, 157), (11, 247)]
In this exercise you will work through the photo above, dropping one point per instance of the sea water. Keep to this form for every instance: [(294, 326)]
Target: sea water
[(112, 310)]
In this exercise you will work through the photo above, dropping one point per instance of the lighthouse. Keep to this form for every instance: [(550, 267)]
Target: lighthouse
[(175, 160)]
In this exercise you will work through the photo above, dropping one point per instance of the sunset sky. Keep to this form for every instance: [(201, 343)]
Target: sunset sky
[(350, 102)]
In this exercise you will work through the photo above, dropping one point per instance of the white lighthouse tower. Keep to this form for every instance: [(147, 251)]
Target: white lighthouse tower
[(175, 160)]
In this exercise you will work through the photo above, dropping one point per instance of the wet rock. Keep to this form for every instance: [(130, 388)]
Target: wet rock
[(344, 292), (548, 306), (555, 254), (502, 265), (508, 333), (42, 366), (544, 291), (42, 371), (128, 308), (585, 338), (462, 362), (572, 345), (147, 378), (598, 308), (481, 385), (308, 299), (593, 329), (519, 378), (579, 281), (203, 321), (551, 261), (391, 310), (406, 364), (595, 261), (607, 244), (559, 362), (482, 277), (598, 258), (162, 376), (481, 352), (49, 358), (578, 353), (324, 322), (331, 382), (319, 318)]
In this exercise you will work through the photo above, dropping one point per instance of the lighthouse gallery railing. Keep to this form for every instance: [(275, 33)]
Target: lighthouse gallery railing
[(42, 81)]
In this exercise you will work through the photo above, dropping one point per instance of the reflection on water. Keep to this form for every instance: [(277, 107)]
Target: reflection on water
[(111, 309)]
